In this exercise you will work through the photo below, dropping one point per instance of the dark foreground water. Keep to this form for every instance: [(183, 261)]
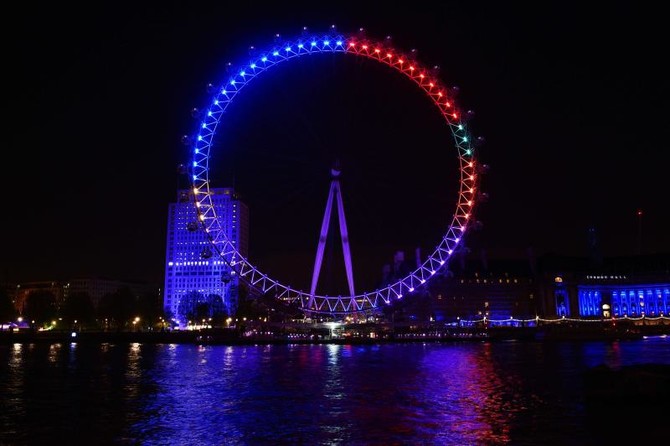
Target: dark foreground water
[(467, 393)]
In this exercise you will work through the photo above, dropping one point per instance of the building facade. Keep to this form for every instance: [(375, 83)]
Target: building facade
[(197, 281), (548, 287), (610, 295), (44, 288), (94, 287), (621, 287), (470, 290)]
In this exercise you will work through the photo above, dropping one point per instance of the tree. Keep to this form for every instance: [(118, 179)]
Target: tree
[(150, 307), (251, 308), (187, 308), (196, 306), (7, 310), (41, 306), (119, 306), (219, 313), (217, 307), (202, 311), (78, 307)]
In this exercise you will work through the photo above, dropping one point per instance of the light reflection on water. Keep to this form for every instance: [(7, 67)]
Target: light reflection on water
[(395, 394)]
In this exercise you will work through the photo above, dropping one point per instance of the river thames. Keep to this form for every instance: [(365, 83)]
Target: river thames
[(451, 393)]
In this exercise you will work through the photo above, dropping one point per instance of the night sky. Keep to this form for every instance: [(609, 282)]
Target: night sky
[(98, 95)]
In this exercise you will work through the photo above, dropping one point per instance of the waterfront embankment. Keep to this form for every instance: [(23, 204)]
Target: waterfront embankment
[(554, 332)]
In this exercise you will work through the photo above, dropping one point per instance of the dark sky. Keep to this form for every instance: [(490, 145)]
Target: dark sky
[(98, 95)]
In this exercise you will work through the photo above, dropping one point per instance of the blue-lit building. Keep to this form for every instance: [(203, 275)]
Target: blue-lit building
[(623, 297), (197, 281), (623, 287)]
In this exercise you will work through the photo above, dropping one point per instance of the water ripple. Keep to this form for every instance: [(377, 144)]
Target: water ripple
[(461, 394)]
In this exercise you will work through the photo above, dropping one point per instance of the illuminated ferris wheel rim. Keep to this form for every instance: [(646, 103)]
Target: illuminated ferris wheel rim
[(358, 46)]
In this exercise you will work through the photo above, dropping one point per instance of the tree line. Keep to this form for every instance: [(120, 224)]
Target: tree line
[(124, 310), (115, 310)]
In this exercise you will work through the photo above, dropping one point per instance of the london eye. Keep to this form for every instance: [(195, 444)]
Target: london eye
[(202, 145)]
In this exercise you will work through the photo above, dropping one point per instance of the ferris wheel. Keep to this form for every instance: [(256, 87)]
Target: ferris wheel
[(353, 45)]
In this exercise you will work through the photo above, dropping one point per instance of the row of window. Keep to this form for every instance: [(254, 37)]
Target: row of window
[(633, 303)]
